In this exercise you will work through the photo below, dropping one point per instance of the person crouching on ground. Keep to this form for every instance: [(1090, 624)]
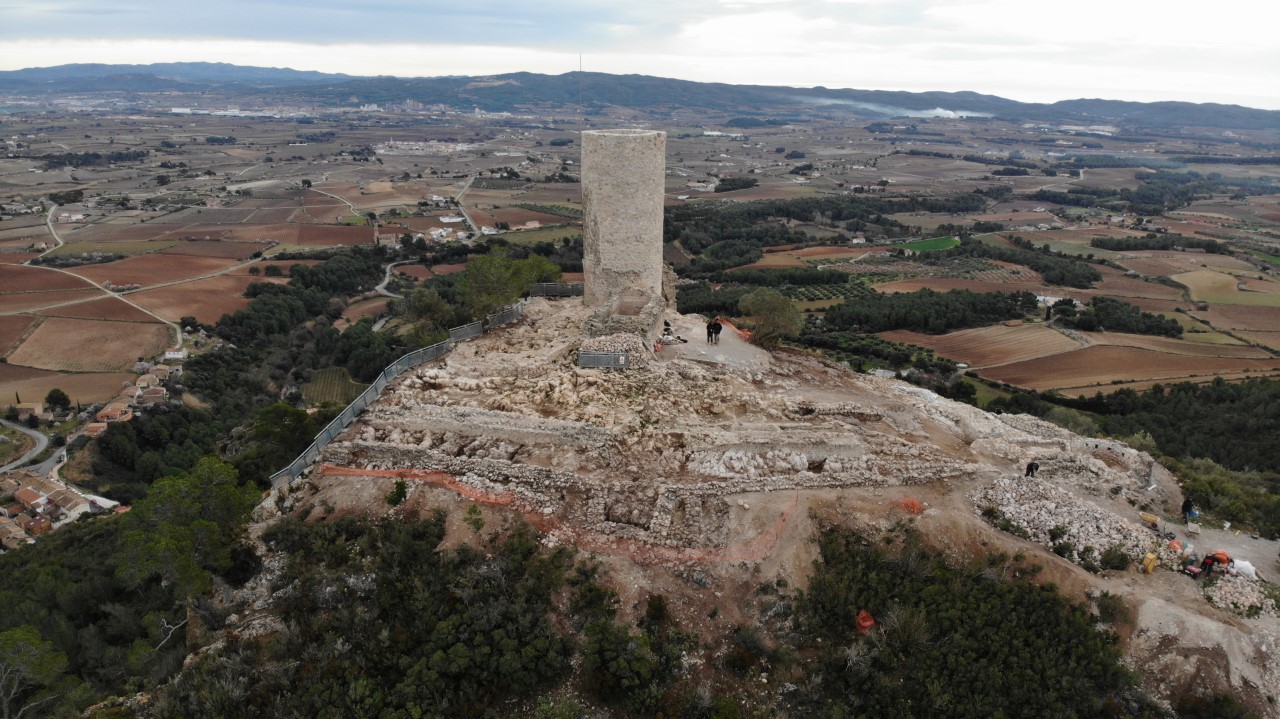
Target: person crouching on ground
[(1220, 558)]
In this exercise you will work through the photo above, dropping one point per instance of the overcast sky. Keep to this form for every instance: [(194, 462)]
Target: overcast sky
[(1029, 50)]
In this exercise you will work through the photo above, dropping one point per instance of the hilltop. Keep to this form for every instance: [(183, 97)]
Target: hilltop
[(721, 463)]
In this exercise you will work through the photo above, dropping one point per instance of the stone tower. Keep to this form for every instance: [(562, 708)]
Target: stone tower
[(622, 193)]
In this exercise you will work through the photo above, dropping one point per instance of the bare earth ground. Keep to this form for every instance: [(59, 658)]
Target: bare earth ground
[(718, 460)]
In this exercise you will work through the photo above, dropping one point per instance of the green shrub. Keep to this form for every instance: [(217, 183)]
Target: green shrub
[(1115, 557), (398, 494)]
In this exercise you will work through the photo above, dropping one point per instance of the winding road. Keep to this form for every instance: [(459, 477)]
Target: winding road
[(41, 442)]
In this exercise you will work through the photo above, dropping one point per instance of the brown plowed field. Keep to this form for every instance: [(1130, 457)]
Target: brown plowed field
[(147, 270), (1175, 346), (36, 279), (236, 250), (327, 235), (1266, 339), (75, 345), (16, 258), (1241, 317), (12, 329), (107, 308), (33, 300), (357, 311), (273, 215), (207, 300), (120, 233), (286, 233), (86, 388), (1098, 366), (447, 269), (986, 346), (419, 272)]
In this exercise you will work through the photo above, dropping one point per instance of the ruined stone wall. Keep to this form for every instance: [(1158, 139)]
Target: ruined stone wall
[(622, 194)]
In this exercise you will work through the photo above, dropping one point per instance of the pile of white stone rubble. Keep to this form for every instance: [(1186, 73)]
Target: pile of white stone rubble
[(1039, 508), (624, 342), (1240, 595)]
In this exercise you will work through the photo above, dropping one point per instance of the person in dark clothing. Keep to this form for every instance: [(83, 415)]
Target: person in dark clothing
[(1187, 507), (715, 331), (1032, 468), (1219, 557), (711, 332)]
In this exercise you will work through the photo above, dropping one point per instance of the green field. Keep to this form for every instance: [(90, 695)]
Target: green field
[(931, 245), (331, 385), (355, 220), (1264, 256), (542, 234)]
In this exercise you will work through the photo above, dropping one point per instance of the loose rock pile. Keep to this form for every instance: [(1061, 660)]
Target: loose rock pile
[(1240, 595), (1039, 508), (623, 342)]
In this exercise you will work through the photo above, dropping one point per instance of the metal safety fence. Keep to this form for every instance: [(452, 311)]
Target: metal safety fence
[(602, 360), (556, 289), (475, 329), (371, 393)]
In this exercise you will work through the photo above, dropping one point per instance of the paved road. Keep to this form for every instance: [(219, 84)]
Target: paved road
[(41, 442), (386, 278), (458, 199)]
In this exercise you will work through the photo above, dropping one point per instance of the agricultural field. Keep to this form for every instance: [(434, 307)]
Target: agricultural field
[(362, 308), (21, 279), (1097, 368), (13, 328), (84, 388), (417, 272), (331, 385), (1221, 288), (991, 346), (78, 345), (156, 269), (106, 308), (207, 300), (31, 301), (931, 245)]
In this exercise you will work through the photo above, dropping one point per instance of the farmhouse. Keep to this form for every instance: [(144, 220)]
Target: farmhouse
[(147, 380), (26, 409)]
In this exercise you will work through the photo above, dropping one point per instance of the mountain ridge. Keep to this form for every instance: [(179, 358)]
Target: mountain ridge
[(508, 91)]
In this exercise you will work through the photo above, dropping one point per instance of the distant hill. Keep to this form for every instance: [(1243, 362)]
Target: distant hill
[(162, 76), (597, 90)]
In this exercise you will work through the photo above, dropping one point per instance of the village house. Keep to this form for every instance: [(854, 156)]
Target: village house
[(38, 525), (93, 429), (30, 498), (147, 380), (152, 396), (161, 372), (12, 535), (114, 412)]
